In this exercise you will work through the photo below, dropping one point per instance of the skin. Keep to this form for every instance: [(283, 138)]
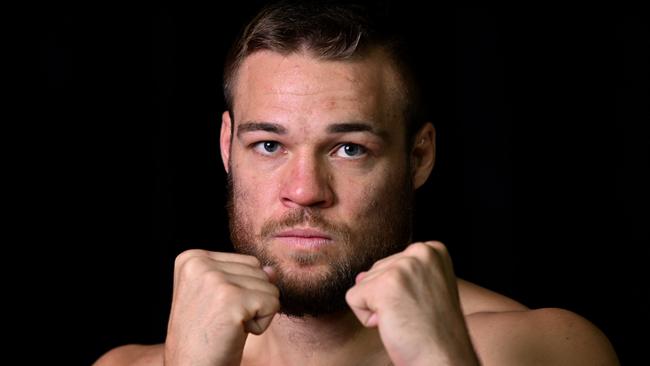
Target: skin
[(408, 309)]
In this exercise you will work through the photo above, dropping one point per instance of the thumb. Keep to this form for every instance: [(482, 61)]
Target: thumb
[(368, 318), (257, 326), (361, 308)]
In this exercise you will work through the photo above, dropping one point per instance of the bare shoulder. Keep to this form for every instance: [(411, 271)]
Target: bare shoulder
[(477, 299), (505, 332), (132, 354)]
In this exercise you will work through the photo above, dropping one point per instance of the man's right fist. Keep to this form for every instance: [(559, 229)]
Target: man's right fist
[(218, 299)]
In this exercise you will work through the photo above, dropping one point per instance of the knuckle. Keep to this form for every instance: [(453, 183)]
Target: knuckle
[(351, 296), (215, 279), (275, 291), (410, 264), (430, 251), (193, 267), (186, 255), (351, 292), (420, 250), (251, 260), (268, 288), (274, 303), (393, 277), (439, 247), (268, 303), (225, 292)]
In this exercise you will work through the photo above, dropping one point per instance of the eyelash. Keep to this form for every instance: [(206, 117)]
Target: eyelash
[(260, 148), (364, 151)]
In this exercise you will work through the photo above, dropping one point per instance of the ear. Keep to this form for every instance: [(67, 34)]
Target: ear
[(423, 154), (224, 140)]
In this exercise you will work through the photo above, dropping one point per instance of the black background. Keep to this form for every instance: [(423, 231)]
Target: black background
[(539, 189)]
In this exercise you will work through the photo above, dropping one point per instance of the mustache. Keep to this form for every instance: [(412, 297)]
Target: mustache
[(305, 216)]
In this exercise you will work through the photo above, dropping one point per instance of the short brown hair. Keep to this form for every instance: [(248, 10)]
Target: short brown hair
[(331, 30)]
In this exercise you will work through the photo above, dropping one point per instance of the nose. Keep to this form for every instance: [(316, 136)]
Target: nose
[(307, 183)]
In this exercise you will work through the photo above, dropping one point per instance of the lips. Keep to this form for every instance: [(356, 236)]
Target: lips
[(304, 238), (304, 233)]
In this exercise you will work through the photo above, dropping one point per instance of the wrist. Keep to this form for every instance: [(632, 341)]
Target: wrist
[(463, 354)]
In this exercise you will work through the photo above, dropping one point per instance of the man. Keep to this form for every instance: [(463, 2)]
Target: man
[(324, 142)]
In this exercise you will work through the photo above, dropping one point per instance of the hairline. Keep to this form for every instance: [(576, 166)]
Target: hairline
[(399, 96)]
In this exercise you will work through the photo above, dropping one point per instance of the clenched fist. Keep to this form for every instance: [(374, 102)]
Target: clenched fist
[(412, 297), (218, 299)]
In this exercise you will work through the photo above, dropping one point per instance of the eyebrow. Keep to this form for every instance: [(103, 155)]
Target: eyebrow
[(356, 127), (345, 127), (261, 126)]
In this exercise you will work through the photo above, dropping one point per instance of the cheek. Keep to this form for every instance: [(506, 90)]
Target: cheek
[(256, 179), (246, 196), (364, 198), (253, 194)]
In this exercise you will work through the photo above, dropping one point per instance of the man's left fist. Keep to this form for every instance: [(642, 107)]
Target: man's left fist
[(412, 297)]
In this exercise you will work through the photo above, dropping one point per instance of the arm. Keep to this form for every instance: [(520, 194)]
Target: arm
[(412, 298), (569, 339), (218, 299), (133, 354), (539, 337)]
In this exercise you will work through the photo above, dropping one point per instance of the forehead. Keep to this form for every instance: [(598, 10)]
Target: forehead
[(299, 88)]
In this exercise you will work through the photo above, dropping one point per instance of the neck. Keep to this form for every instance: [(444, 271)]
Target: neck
[(325, 332), (325, 340)]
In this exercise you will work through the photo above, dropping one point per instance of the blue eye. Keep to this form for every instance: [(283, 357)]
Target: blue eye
[(351, 151), (267, 147)]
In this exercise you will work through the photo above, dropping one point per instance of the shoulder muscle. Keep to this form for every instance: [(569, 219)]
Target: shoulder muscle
[(132, 354), (540, 337)]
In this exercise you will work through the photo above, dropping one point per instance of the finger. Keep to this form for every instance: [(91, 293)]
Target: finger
[(181, 259), (234, 268), (447, 265), (360, 307), (446, 258), (430, 251), (443, 257), (372, 321), (439, 246), (258, 325), (370, 275), (378, 267), (414, 249), (438, 253), (253, 284), (386, 261), (262, 308), (360, 276), (191, 254), (393, 263), (235, 258), (366, 317), (218, 256), (271, 273)]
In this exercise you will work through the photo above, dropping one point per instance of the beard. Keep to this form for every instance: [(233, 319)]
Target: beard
[(383, 228)]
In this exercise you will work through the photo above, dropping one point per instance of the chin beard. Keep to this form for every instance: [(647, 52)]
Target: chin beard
[(383, 231), (315, 294)]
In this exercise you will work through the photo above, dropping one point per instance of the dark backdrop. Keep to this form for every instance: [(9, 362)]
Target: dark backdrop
[(539, 190)]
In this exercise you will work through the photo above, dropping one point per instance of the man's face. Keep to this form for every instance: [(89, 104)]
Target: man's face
[(319, 179)]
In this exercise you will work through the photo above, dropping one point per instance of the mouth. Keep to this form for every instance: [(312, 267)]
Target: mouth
[(304, 238)]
